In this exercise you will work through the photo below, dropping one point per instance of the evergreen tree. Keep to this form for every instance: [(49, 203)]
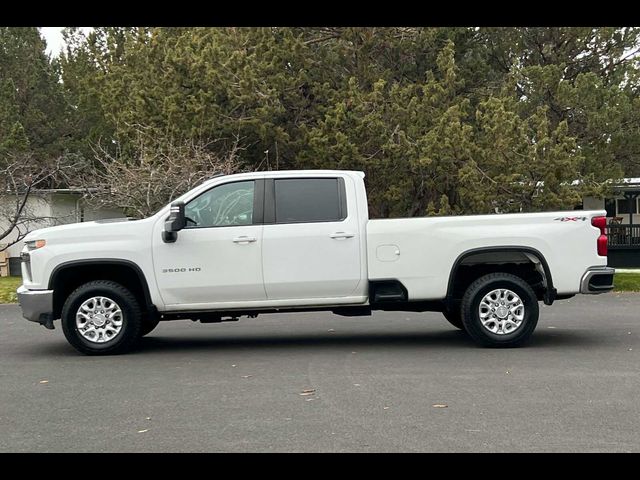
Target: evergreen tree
[(442, 120), (33, 112)]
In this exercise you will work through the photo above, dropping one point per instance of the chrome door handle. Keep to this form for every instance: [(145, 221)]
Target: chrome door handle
[(244, 239), (342, 235)]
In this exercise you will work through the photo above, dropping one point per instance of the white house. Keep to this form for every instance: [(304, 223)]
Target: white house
[(53, 207), (622, 204)]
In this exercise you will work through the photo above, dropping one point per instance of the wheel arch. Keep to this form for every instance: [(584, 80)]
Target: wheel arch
[(549, 294), (67, 276)]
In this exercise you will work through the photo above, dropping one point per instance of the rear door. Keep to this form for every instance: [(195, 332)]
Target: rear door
[(311, 244)]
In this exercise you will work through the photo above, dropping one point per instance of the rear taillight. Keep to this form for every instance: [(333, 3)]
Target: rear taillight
[(601, 223)]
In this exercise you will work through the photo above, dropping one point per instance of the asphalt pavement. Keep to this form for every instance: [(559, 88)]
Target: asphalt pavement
[(316, 382)]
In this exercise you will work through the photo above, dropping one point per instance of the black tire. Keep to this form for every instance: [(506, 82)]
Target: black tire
[(454, 316), (471, 315), (124, 340), (148, 325)]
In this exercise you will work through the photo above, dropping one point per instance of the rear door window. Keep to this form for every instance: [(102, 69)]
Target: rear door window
[(299, 200)]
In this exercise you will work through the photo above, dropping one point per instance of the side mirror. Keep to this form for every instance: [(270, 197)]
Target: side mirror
[(176, 222)]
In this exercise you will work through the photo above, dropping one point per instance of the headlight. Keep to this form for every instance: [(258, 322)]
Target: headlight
[(35, 244)]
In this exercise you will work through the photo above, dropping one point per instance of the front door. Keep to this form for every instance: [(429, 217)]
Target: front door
[(216, 259)]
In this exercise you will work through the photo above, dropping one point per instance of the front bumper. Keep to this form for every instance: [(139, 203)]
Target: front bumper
[(597, 280), (37, 305)]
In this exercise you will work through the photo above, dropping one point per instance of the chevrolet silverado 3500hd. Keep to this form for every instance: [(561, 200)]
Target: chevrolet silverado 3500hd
[(295, 241)]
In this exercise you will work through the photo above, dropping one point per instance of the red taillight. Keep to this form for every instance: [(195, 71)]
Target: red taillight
[(601, 223), (602, 245)]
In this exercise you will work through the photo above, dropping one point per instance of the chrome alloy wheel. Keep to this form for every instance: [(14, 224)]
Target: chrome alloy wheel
[(99, 319), (501, 311)]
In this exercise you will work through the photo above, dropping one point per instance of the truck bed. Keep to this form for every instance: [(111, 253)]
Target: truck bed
[(420, 252)]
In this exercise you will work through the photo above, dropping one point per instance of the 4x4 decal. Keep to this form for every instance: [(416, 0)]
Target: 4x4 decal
[(570, 219)]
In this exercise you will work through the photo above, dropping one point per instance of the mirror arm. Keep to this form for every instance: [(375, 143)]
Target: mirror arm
[(169, 237)]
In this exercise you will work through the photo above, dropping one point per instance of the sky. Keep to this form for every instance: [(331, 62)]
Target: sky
[(53, 36)]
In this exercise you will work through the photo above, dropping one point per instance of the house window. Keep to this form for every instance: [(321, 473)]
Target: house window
[(610, 207), (623, 205)]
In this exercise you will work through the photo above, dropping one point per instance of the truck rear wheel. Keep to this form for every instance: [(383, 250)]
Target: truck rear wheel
[(101, 318), (500, 310)]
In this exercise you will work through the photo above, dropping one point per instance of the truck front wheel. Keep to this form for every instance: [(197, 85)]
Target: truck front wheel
[(500, 310), (101, 318)]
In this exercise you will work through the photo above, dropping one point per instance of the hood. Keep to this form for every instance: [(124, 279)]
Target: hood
[(74, 229)]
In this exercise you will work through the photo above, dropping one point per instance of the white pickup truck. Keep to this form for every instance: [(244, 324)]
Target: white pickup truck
[(293, 241)]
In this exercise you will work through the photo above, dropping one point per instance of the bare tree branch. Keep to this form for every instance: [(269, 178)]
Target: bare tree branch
[(22, 176), (155, 175)]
